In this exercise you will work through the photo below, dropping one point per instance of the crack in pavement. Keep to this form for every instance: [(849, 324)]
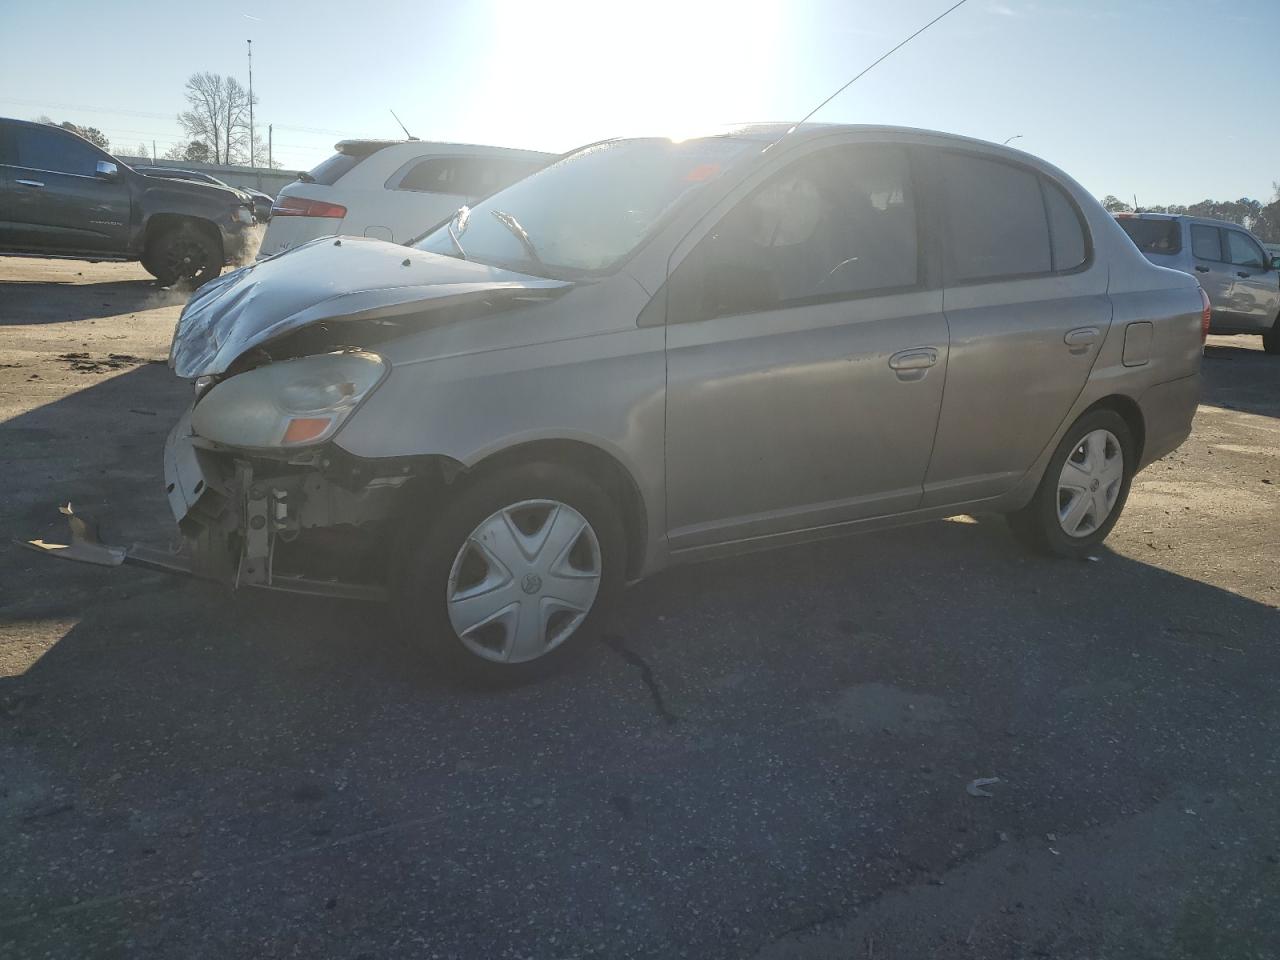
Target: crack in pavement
[(615, 644)]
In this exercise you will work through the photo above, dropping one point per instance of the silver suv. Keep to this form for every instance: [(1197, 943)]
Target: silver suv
[(654, 352), (1239, 274)]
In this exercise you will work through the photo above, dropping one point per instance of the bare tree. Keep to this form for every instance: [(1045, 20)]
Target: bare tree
[(206, 118), (218, 116)]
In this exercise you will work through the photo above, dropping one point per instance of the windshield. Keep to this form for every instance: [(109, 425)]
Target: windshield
[(1154, 236), (589, 211)]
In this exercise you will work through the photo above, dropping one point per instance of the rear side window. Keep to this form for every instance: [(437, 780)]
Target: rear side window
[(996, 220), (1066, 232), (44, 148), (1206, 243), (1162, 237), (473, 177), (334, 169), (1242, 251)]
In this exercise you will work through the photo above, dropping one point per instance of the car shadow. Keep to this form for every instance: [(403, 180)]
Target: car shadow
[(767, 740), (1240, 378), (28, 303)]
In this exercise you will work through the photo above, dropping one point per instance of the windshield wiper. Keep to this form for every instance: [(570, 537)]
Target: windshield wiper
[(460, 217), (519, 232)]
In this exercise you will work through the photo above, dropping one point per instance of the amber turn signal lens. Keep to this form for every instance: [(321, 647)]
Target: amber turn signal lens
[(302, 429)]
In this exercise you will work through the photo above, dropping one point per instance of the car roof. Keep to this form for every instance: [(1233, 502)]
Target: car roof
[(1182, 218), (368, 147)]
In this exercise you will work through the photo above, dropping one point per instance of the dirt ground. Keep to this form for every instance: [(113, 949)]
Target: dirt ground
[(767, 757)]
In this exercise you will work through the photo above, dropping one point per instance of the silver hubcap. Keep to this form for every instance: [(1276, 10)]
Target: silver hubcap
[(524, 581), (1090, 483)]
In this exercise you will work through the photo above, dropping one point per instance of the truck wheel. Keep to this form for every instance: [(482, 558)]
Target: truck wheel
[(183, 252), (1271, 339), (519, 564), (1083, 489)]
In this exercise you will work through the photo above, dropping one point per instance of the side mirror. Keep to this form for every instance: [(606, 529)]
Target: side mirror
[(106, 170)]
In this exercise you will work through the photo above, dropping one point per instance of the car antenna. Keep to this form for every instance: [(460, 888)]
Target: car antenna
[(402, 126), (875, 63)]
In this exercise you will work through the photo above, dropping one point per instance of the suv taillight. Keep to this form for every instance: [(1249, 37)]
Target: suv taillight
[(1206, 315), (302, 207)]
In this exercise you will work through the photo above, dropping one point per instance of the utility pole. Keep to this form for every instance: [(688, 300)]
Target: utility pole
[(153, 151), (270, 163), (251, 163)]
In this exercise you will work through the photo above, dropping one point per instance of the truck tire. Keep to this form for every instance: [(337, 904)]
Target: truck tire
[(1271, 339), (183, 251)]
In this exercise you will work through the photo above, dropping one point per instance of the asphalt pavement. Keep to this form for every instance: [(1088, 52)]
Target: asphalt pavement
[(773, 756)]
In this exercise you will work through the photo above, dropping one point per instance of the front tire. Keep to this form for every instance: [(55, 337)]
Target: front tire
[(1271, 339), (511, 573), (183, 251), (1083, 490)]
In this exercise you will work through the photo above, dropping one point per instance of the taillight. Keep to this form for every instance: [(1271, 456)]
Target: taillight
[(302, 207), (1206, 315)]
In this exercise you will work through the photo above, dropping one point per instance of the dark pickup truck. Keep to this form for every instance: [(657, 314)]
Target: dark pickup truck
[(61, 196)]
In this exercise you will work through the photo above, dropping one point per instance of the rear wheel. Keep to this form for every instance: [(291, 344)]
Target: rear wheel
[(1271, 339), (1083, 489), (520, 564), (183, 251)]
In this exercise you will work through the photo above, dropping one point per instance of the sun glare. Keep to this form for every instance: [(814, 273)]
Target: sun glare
[(666, 68)]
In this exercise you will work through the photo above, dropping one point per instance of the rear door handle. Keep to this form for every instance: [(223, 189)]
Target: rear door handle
[(30, 183), (1200, 269), (913, 364), (1080, 338), (1243, 275)]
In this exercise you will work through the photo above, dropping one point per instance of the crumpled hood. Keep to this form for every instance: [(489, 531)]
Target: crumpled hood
[(353, 278)]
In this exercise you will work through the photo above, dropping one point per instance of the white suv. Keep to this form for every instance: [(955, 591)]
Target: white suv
[(390, 189)]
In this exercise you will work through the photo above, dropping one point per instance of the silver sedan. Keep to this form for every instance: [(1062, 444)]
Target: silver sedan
[(653, 352)]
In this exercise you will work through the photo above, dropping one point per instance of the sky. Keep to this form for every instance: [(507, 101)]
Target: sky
[(1127, 96)]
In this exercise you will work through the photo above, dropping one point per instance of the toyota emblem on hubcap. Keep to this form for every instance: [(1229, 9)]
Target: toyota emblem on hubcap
[(531, 583)]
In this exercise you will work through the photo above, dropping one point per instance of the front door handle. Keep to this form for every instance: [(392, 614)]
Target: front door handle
[(1200, 269), (1242, 275), (913, 364), (1080, 339), (30, 183)]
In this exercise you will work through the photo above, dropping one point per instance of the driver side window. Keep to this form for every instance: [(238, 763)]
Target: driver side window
[(838, 223), (1242, 251)]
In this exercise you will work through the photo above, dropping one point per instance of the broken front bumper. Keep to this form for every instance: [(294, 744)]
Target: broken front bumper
[(234, 524)]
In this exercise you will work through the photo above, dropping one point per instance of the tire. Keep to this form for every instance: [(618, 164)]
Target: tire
[(452, 559), (1041, 526), (1271, 339), (183, 251)]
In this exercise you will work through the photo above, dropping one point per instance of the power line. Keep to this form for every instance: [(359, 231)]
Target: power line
[(82, 108)]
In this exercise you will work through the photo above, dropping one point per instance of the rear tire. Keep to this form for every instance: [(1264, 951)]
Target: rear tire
[(1271, 339), (485, 547), (183, 251), (1083, 490)]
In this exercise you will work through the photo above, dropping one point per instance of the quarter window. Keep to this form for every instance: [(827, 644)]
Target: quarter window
[(1206, 243), (836, 224), (1242, 251), (1066, 233), (44, 148), (464, 176)]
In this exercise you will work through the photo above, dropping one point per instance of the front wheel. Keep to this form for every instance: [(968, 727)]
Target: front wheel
[(508, 573), (1083, 490), (183, 252)]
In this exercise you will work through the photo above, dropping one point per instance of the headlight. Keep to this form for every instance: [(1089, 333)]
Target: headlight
[(294, 403)]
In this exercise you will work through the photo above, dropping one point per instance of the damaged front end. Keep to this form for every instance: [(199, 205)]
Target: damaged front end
[(281, 354), (317, 522)]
